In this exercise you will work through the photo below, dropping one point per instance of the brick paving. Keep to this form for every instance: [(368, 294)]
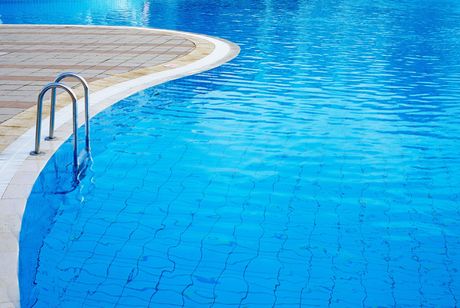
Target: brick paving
[(32, 56)]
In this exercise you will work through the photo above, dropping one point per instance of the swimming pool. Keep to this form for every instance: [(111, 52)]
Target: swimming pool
[(319, 168)]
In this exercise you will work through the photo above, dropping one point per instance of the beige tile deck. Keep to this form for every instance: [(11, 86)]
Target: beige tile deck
[(116, 61), (32, 56)]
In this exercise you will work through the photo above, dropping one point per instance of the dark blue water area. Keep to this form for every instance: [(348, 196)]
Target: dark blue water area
[(319, 168)]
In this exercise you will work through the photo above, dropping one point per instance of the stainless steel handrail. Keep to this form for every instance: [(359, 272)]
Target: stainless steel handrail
[(58, 79), (54, 86)]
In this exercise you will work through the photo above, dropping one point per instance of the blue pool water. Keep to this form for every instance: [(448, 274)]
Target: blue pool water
[(319, 168)]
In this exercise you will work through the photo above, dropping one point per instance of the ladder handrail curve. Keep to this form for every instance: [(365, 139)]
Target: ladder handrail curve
[(54, 86), (85, 85)]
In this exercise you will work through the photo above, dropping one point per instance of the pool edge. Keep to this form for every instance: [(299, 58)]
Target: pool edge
[(19, 171)]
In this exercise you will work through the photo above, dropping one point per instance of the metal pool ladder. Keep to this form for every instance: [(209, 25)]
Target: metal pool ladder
[(53, 86)]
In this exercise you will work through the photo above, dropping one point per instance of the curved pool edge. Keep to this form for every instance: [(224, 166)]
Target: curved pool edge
[(19, 170)]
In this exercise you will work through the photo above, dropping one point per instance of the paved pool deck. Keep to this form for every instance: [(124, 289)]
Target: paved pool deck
[(32, 56), (116, 61)]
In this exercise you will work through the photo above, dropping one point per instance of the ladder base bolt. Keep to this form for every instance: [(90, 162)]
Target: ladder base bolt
[(33, 153)]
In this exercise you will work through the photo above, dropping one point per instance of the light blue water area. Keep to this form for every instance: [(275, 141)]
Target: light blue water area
[(319, 168)]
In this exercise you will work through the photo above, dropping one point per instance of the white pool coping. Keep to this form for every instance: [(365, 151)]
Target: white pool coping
[(19, 170)]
